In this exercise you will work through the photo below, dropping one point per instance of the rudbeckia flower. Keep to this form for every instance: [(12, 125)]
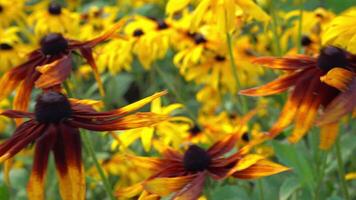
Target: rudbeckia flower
[(51, 17), (309, 93), (54, 126), (49, 66), (184, 175)]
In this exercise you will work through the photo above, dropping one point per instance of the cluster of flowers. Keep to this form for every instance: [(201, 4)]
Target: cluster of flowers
[(216, 45)]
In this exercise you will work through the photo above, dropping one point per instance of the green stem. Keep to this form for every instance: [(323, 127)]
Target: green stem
[(274, 24), (234, 71), (341, 171), (321, 163), (260, 189), (89, 148)]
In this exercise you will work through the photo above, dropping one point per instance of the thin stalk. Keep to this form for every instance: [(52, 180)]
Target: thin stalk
[(89, 148), (175, 92), (341, 170), (321, 161), (300, 27), (260, 189), (274, 24)]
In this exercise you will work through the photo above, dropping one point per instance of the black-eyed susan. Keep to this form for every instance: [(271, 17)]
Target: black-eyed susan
[(11, 12), (51, 17), (54, 126), (49, 66), (309, 94), (184, 175)]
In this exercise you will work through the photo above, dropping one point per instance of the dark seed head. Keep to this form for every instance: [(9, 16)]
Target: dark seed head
[(54, 8), (199, 38), (195, 130), (245, 137), (52, 107), (53, 44), (196, 159), (305, 41), (331, 57), (161, 24), (138, 33), (1, 8), (5, 46), (220, 58)]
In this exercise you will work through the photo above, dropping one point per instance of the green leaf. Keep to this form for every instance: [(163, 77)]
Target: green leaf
[(229, 192), (288, 187)]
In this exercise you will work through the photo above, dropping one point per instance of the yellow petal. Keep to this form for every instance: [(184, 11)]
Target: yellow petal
[(261, 168), (338, 78), (328, 134), (166, 186)]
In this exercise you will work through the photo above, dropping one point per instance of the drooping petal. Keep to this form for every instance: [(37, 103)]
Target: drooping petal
[(286, 63), (165, 186), (328, 134), (260, 169), (36, 183), (223, 146), (129, 192), (67, 154), (193, 190), (274, 87), (244, 163), (136, 120), (54, 73), (339, 78), (17, 114), (340, 106)]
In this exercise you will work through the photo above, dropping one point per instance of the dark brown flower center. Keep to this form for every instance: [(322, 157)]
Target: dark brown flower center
[(195, 130), (331, 57), (305, 41), (161, 24), (138, 32), (198, 38), (52, 107), (196, 159), (54, 8), (220, 58), (53, 44), (245, 137), (5, 46), (1, 8)]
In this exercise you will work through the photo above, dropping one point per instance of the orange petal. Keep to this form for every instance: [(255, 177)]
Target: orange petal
[(286, 63), (193, 191), (328, 134), (166, 186), (277, 86), (54, 73), (339, 78), (36, 183), (223, 146), (340, 106), (129, 192), (67, 154), (244, 163), (261, 168), (307, 111)]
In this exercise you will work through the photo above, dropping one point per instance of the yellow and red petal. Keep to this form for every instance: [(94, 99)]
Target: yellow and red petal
[(328, 134), (164, 186), (193, 191), (67, 154), (339, 78), (297, 62), (260, 169), (44, 145), (223, 146), (54, 73), (129, 192)]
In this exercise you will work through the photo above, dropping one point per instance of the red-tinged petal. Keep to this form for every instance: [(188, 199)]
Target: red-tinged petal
[(54, 73), (148, 196), (286, 63), (11, 79), (117, 112), (328, 134), (136, 120), (260, 169), (144, 162), (87, 53), (277, 86), (244, 163), (193, 190), (25, 134), (166, 186), (67, 154), (291, 106), (129, 192), (36, 183), (340, 106), (339, 78), (223, 146), (17, 114), (307, 111)]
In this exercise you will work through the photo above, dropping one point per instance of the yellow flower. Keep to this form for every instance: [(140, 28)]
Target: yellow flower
[(11, 12), (52, 17), (342, 31), (169, 132)]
